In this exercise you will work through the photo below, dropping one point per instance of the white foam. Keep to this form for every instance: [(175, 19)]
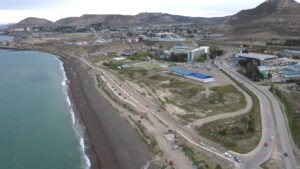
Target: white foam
[(76, 125)]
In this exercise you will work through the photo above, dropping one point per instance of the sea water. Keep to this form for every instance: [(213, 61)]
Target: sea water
[(5, 38), (38, 128)]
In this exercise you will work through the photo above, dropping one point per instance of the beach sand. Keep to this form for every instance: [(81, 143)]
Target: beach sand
[(114, 144)]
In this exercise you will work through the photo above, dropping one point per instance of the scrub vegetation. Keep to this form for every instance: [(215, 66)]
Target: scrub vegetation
[(289, 102), (133, 73), (193, 98)]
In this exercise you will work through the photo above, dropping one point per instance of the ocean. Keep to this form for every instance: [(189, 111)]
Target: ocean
[(38, 129), (5, 38)]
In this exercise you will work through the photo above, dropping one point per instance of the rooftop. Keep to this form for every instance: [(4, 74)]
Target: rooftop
[(180, 47), (257, 56)]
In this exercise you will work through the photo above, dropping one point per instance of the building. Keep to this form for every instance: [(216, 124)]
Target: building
[(181, 72), (291, 71), (180, 49), (291, 53), (198, 52), (194, 76), (202, 78), (256, 56)]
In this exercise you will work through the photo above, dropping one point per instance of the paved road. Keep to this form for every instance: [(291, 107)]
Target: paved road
[(260, 154), (251, 160), (285, 138), (268, 104), (142, 104)]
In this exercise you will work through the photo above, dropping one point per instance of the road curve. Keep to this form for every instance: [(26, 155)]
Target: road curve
[(268, 105)]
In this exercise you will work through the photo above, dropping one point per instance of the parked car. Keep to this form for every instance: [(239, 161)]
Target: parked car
[(237, 159), (285, 154), (227, 155), (202, 144), (266, 144), (272, 138), (212, 149), (175, 147)]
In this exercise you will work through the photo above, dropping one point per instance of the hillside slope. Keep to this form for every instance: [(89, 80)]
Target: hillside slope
[(32, 22), (273, 16)]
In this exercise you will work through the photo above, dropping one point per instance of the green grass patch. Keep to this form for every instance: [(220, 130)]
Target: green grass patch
[(141, 56), (148, 65), (115, 64), (133, 73)]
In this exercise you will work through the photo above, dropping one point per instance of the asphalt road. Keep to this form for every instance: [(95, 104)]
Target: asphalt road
[(251, 160), (269, 107)]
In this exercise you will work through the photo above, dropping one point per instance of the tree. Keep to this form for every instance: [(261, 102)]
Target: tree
[(178, 57), (214, 52), (252, 72), (218, 166)]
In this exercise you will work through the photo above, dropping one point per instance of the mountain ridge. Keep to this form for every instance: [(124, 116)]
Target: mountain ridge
[(272, 16)]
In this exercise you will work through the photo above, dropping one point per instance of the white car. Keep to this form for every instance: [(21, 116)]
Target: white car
[(175, 147), (227, 155), (213, 149), (202, 144), (272, 138)]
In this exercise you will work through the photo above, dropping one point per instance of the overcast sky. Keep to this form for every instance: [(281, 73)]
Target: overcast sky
[(12, 11)]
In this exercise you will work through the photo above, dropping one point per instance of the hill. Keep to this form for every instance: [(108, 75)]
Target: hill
[(164, 18), (110, 20), (271, 19), (279, 17), (32, 22)]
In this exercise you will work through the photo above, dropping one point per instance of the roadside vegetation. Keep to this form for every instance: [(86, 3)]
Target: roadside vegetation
[(201, 58), (241, 133), (178, 57), (249, 69), (291, 110), (296, 57), (214, 52), (147, 139), (200, 160)]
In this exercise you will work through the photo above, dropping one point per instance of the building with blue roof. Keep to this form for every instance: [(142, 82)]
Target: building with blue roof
[(202, 76), (181, 72), (195, 76)]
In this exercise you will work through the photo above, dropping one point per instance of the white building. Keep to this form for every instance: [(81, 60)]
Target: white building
[(195, 53)]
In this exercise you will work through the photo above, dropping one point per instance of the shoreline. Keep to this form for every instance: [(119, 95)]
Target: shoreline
[(111, 142), (76, 124)]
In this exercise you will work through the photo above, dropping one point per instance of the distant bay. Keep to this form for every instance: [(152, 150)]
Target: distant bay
[(5, 38)]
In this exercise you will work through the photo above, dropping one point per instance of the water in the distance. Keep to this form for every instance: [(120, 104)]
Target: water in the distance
[(4, 38), (36, 125)]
